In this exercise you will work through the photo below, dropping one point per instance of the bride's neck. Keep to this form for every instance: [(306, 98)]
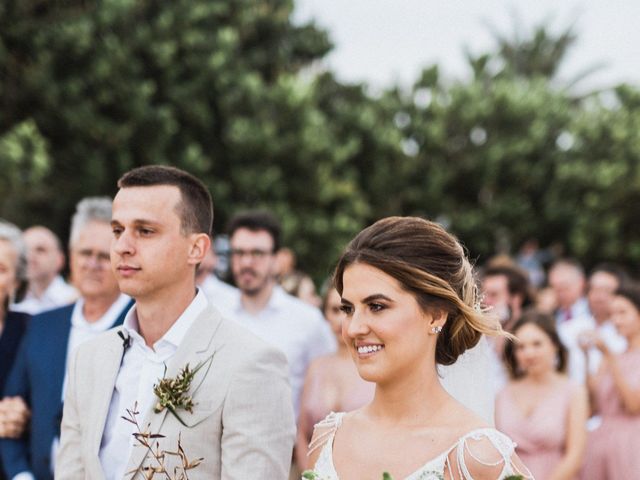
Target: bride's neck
[(408, 400)]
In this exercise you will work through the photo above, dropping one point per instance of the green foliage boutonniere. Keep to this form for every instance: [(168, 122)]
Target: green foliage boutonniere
[(173, 393)]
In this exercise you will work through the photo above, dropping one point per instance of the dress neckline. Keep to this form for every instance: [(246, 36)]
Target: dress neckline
[(561, 389), (437, 468)]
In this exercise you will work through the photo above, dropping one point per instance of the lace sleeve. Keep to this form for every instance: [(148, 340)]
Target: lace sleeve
[(485, 455)]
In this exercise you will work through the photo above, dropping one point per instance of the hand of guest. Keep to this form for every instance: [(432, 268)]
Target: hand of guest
[(587, 340), (601, 345), (14, 415)]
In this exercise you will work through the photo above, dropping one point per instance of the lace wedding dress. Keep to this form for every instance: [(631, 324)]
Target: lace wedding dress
[(435, 468)]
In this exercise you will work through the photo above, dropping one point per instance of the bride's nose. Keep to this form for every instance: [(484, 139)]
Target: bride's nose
[(355, 325)]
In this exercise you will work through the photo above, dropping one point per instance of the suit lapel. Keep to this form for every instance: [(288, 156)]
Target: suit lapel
[(197, 346), (109, 359)]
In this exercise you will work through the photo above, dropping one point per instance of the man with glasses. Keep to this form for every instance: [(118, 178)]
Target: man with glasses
[(38, 375), (297, 329)]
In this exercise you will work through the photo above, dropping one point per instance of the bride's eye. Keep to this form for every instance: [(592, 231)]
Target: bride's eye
[(376, 307)]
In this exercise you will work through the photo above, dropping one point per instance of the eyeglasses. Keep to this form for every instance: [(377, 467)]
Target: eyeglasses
[(100, 257), (254, 254)]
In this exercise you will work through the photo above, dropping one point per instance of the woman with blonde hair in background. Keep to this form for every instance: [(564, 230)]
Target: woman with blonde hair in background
[(613, 449), (410, 303), (543, 411)]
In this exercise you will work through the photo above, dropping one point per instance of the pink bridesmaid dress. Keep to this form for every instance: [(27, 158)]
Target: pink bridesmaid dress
[(613, 449), (540, 437)]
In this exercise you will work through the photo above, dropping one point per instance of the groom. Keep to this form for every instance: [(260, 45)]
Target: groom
[(235, 413)]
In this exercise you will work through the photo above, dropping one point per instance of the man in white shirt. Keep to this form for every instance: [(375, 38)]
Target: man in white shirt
[(568, 281), (45, 261), (53, 336), (297, 329), (184, 378), (219, 293), (604, 280)]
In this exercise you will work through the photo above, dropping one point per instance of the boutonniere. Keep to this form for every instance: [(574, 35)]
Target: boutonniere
[(173, 392)]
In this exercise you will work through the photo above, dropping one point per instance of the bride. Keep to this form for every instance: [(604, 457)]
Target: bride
[(410, 299)]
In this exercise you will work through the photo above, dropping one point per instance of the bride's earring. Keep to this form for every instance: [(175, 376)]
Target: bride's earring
[(436, 329)]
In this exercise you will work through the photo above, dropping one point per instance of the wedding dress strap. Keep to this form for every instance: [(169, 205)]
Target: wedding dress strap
[(486, 447), (325, 430)]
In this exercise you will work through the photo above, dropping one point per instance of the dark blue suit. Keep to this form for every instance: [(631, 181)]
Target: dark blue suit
[(37, 376)]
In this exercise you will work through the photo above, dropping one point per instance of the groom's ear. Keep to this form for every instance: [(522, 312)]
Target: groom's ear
[(200, 245)]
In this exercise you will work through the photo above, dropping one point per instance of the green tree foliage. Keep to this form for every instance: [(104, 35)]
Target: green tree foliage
[(227, 90), (212, 87)]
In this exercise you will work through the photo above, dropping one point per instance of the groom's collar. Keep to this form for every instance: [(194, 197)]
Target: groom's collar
[(175, 335)]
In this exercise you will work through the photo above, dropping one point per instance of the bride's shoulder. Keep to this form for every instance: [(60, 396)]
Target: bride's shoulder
[(486, 453)]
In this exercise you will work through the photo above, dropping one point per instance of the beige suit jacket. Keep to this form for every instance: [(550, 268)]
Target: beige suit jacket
[(242, 423)]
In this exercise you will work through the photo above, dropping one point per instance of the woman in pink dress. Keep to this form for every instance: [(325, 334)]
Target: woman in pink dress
[(332, 383), (540, 408), (613, 451)]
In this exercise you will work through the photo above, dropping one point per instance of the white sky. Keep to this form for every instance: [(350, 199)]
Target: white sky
[(383, 41)]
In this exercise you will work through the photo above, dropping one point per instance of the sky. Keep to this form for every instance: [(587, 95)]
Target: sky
[(384, 42)]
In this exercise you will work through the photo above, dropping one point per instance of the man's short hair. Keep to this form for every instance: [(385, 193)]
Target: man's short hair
[(569, 263), (90, 209), (11, 234), (255, 221), (613, 269), (517, 280), (196, 207)]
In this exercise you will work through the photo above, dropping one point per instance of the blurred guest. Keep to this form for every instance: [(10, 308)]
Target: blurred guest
[(219, 293), (38, 375), (546, 301), (532, 259), (568, 281), (612, 451), (13, 411), (603, 282), (280, 319), (285, 262), (332, 383), (45, 261), (573, 318), (505, 291), (301, 286), (541, 409)]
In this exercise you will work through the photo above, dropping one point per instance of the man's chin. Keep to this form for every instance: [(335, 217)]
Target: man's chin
[(251, 292)]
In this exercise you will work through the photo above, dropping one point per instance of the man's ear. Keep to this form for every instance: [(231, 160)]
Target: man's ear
[(200, 244)]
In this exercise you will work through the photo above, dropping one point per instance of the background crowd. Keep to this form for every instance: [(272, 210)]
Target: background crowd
[(567, 384)]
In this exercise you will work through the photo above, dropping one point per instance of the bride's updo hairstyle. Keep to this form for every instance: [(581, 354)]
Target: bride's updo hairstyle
[(431, 264)]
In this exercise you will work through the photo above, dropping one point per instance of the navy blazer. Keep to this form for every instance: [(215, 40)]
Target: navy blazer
[(37, 376)]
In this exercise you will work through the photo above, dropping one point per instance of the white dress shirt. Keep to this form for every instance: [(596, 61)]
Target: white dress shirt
[(57, 294), (142, 367), (220, 294), (569, 333), (296, 328)]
